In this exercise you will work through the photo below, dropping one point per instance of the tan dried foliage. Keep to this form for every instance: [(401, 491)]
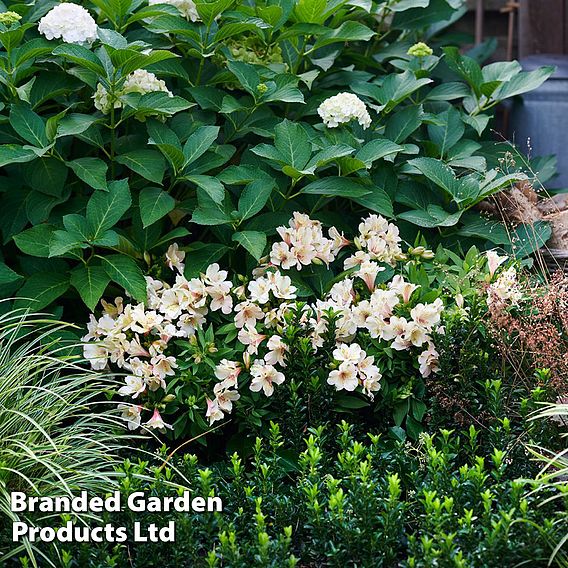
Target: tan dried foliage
[(536, 336)]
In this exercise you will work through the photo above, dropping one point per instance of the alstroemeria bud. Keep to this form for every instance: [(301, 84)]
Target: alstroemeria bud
[(246, 360)]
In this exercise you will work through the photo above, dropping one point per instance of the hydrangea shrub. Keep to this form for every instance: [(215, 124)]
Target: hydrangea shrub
[(131, 125)]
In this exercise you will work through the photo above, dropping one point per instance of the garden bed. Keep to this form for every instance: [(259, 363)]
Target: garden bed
[(267, 302)]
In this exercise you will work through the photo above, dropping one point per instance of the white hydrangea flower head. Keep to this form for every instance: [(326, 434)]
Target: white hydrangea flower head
[(139, 81), (70, 22), (186, 7), (343, 108), (103, 100), (142, 81)]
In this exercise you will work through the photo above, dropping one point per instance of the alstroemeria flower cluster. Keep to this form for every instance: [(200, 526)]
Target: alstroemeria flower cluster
[(136, 337), (142, 339), (355, 367), (304, 243)]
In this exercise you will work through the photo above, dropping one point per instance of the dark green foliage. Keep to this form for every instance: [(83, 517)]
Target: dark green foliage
[(342, 501), (238, 145)]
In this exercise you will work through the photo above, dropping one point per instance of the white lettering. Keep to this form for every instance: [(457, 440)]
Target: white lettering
[(136, 502), (18, 529), (137, 534), (17, 501), (198, 504)]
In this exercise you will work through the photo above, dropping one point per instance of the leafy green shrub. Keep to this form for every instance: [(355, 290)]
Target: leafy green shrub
[(128, 124), (55, 436), (215, 343), (369, 343), (342, 502)]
